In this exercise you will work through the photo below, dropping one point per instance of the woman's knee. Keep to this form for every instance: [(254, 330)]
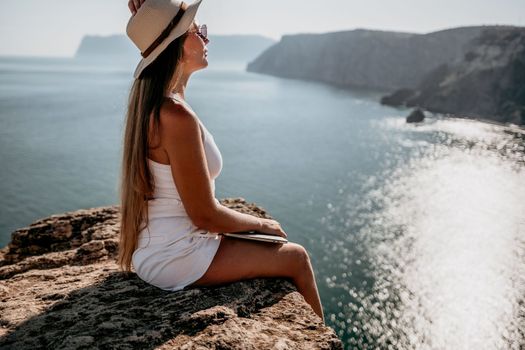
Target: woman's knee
[(302, 258)]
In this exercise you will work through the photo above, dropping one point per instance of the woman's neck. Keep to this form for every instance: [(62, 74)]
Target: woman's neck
[(181, 85)]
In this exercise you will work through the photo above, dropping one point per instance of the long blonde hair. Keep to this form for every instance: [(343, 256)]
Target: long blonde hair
[(136, 182)]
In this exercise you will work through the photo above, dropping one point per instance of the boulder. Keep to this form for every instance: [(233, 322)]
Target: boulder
[(416, 116)]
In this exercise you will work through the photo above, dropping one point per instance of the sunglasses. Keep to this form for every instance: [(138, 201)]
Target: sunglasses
[(202, 32)]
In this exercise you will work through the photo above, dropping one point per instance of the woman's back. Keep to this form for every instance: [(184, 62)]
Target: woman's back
[(172, 251), (213, 156), (158, 158)]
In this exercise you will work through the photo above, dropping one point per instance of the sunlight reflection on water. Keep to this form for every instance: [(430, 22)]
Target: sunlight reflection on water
[(438, 258)]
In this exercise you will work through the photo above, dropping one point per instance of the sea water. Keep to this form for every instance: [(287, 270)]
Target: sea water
[(416, 232)]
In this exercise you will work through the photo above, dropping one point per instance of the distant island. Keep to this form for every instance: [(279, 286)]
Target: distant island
[(110, 45), (470, 71), (239, 48)]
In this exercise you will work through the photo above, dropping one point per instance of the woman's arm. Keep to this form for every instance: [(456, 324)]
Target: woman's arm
[(224, 219), (182, 140)]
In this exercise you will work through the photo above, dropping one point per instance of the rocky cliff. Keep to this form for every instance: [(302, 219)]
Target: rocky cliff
[(363, 58), (61, 289), (488, 82)]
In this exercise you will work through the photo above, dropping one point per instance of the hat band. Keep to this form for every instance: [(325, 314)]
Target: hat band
[(167, 31)]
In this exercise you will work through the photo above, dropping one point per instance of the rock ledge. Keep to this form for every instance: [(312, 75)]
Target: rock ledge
[(60, 288)]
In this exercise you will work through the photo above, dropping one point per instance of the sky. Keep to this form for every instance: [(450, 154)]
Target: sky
[(56, 27)]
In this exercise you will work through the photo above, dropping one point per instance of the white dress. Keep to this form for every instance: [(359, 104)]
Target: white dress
[(172, 252)]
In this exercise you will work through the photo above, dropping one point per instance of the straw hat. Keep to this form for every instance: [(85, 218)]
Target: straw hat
[(156, 24)]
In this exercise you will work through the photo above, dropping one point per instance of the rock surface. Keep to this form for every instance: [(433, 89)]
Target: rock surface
[(60, 288), (487, 83), (416, 116)]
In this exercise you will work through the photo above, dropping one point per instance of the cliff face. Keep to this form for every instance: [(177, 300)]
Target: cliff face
[(488, 82), (363, 58), (61, 289)]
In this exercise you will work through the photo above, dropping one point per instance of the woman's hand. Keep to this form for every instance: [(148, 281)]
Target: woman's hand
[(271, 227), (134, 5)]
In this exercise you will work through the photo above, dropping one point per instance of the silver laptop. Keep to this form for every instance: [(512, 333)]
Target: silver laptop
[(253, 235)]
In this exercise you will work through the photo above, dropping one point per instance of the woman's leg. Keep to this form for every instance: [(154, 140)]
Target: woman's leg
[(239, 259)]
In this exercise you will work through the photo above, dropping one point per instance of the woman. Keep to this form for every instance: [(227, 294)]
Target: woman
[(169, 215)]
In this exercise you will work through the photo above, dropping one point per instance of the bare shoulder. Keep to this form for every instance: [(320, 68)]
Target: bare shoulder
[(178, 121), (173, 113)]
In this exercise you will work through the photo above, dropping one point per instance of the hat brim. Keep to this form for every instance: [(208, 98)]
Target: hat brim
[(180, 28)]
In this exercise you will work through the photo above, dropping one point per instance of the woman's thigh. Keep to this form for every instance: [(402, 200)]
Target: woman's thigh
[(239, 259)]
